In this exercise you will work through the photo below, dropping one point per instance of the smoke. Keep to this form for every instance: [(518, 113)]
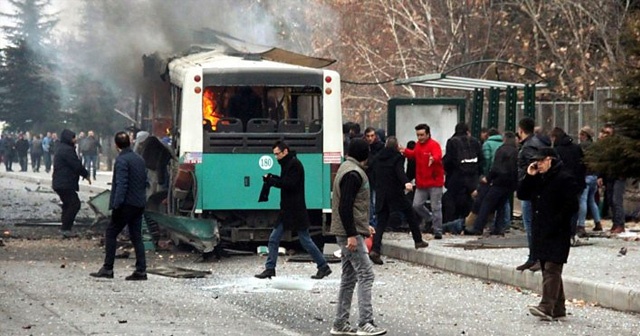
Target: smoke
[(113, 35)]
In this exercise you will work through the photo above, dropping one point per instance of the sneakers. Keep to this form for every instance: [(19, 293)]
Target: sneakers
[(103, 273), (581, 232), (136, 276), (421, 244), (536, 311), (375, 258), (322, 272), (525, 266), (346, 329), (267, 273), (370, 329)]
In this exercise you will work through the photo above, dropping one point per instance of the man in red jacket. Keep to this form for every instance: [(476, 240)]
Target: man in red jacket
[(429, 177)]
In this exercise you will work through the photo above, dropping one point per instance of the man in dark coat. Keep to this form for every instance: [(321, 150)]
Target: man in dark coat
[(552, 192), (293, 212), (67, 169), (375, 146), (462, 173), (22, 150), (502, 181), (391, 182), (127, 203)]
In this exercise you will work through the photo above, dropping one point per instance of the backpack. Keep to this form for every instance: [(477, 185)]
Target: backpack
[(467, 155)]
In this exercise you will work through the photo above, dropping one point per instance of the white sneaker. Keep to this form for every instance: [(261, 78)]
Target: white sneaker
[(370, 329)]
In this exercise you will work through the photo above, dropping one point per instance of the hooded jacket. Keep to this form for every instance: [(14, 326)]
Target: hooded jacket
[(489, 149), (67, 167), (572, 158)]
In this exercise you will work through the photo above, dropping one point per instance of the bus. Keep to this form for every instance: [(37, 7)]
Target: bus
[(224, 111)]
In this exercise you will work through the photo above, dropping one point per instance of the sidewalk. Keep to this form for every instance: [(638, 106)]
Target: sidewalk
[(595, 273)]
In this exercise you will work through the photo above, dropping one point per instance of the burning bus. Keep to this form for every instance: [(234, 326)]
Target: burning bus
[(224, 107)]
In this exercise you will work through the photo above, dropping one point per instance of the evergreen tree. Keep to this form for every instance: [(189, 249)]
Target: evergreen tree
[(29, 98), (619, 155)]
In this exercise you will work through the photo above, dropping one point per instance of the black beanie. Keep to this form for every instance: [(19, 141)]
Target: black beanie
[(359, 150)]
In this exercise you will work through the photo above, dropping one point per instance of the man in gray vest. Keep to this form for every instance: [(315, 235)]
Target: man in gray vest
[(350, 224)]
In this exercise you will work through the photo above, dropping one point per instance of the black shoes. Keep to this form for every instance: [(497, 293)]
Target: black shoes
[(525, 266), (136, 276), (68, 234), (375, 258), (421, 244), (103, 273), (322, 272), (437, 235), (270, 272)]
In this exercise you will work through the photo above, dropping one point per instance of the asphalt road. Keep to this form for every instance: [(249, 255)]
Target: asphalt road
[(45, 289)]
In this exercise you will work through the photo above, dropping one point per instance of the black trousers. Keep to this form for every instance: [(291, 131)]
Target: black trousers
[(70, 207), (553, 298), (386, 214), (131, 217)]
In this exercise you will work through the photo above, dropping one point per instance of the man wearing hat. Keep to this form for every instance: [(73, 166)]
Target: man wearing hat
[(552, 192)]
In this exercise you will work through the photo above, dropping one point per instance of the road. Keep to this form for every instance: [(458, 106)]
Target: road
[(45, 289)]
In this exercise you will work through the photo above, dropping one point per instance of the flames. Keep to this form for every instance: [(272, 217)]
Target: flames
[(210, 108)]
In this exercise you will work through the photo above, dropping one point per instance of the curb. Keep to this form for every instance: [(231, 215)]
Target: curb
[(606, 295), (44, 180)]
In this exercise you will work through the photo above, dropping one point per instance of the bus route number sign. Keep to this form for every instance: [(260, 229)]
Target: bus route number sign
[(265, 162)]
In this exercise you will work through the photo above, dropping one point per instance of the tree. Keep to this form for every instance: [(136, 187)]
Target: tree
[(29, 97), (619, 155)]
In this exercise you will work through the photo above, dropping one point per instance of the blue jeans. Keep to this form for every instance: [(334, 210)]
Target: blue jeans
[(434, 194), (91, 161), (305, 241), (356, 269), (373, 218), (588, 200), (527, 214)]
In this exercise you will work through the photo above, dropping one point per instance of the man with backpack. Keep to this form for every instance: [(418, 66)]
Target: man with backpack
[(463, 163)]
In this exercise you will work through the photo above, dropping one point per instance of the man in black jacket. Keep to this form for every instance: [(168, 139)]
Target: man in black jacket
[(391, 181), (127, 203), (293, 212), (552, 192), (67, 169)]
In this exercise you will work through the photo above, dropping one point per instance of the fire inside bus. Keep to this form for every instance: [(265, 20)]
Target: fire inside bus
[(225, 112)]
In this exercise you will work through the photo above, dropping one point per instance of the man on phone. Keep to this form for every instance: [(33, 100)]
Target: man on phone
[(552, 192)]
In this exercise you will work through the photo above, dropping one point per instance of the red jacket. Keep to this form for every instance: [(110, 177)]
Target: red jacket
[(427, 176)]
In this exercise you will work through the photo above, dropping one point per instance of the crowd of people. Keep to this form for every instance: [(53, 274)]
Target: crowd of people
[(39, 150)]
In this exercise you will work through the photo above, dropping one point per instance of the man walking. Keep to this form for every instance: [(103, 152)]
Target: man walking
[(429, 177), (36, 153), (391, 182), (293, 212), (22, 150), (350, 224), (90, 150), (67, 170), (47, 151), (127, 202), (552, 192)]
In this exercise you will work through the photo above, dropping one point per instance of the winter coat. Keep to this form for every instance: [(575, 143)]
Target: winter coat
[(388, 171), (36, 147), (528, 148), (90, 146), (554, 202), (489, 149), (22, 147), (67, 167), (572, 158), (456, 178), (427, 176), (293, 207), (374, 149), (129, 181), (504, 171)]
